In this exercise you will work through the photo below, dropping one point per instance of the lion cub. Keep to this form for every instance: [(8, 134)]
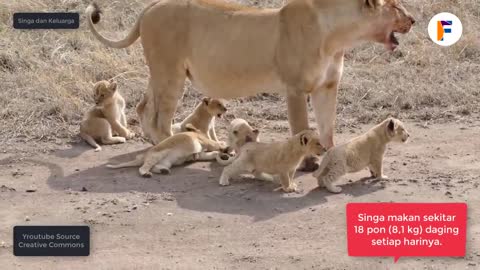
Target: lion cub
[(106, 117), (203, 117), (174, 150), (363, 151), (239, 133), (276, 159)]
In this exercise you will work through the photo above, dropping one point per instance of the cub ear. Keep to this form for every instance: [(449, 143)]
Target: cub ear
[(206, 100), (391, 125), (374, 3), (190, 127), (303, 139), (113, 86)]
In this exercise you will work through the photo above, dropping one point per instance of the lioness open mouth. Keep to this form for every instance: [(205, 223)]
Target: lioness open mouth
[(392, 41)]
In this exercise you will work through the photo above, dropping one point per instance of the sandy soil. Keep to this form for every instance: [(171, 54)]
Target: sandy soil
[(187, 221)]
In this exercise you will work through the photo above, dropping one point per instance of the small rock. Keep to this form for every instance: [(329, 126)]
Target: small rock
[(448, 193), (27, 218), (31, 190), (134, 207), (84, 189), (169, 214)]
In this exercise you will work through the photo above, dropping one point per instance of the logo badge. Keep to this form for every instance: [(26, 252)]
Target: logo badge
[(445, 29)]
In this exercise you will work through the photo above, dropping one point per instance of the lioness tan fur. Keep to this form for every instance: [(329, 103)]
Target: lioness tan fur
[(203, 117), (106, 117), (230, 51), (239, 133), (278, 159), (175, 150), (363, 151)]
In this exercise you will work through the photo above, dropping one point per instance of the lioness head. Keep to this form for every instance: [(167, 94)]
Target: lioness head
[(103, 90), (310, 141), (388, 17), (215, 107), (366, 20), (396, 130)]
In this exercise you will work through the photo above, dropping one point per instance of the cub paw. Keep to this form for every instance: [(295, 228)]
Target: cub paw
[(130, 135), (98, 149), (145, 173), (164, 171), (334, 189), (224, 182), (291, 188)]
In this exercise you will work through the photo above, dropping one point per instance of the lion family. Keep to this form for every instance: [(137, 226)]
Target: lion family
[(230, 51), (195, 139)]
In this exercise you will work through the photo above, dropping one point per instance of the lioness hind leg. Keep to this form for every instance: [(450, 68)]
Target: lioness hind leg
[(166, 83)]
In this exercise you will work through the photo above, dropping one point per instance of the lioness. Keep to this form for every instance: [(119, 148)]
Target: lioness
[(363, 151), (105, 117), (230, 51), (274, 159), (174, 150), (203, 117)]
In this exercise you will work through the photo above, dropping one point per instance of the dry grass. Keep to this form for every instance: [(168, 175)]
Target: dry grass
[(46, 76)]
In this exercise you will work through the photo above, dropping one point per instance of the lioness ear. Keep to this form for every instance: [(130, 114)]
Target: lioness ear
[(374, 3), (391, 125), (206, 100), (303, 140)]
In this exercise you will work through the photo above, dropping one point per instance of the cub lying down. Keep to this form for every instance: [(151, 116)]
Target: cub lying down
[(363, 151), (203, 117), (106, 117), (239, 133), (175, 150), (274, 159)]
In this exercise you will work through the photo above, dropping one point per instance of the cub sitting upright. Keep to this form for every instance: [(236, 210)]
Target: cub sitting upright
[(203, 117), (106, 117), (363, 151)]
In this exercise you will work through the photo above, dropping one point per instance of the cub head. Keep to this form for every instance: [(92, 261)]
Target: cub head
[(310, 141), (388, 17), (215, 107), (103, 91), (242, 133), (396, 131)]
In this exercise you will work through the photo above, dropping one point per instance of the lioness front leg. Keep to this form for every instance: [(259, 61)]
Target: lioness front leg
[(298, 120), (324, 102)]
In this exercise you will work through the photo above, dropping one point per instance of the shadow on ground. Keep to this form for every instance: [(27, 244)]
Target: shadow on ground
[(195, 187)]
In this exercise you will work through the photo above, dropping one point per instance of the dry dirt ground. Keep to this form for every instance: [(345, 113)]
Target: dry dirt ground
[(187, 221)]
